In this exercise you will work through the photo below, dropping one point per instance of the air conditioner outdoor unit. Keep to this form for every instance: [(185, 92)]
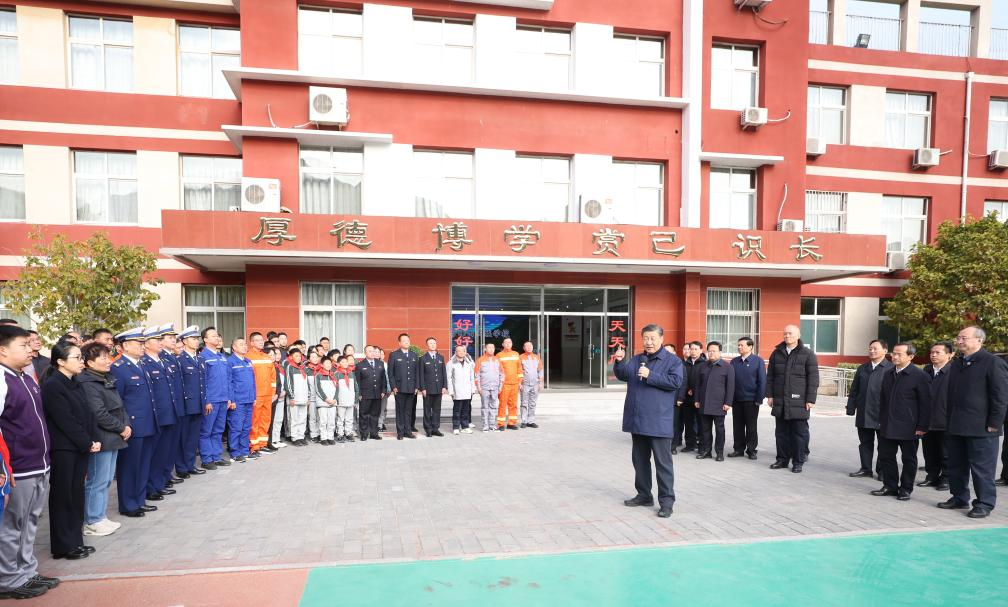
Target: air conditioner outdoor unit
[(896, 260), (790, 225), (753, 117), (926, 157), (260, 195), (756, 4), (998, 159), (327, 105), (597, 209), (814, 146)]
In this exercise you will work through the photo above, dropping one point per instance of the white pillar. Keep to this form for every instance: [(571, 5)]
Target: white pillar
[(837, 22), (692, 91), (910, 26)]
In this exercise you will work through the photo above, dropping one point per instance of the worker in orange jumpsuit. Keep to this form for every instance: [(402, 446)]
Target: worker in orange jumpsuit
[(507, 410), (265, 388)]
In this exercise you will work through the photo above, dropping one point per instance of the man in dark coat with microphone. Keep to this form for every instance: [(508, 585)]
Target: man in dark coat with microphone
[(653, 378)]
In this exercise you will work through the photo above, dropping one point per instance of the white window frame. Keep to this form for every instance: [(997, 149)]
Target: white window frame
[(101, 43), (439, 72), (902, 217), (819, 107), (729, 221), (6, 312), (108, 178), (729, 104), (211, 53), (1001, 206), (15, 75), (660, 92), (542, 51), (640, 186), (815, 317), (346, 36), (994, 143), (537, 190), (332, 173), (906, 113), (212, 181), (216, 309), (15, 174), (446, 177), (729, 313), (820, 205), (334, 309)]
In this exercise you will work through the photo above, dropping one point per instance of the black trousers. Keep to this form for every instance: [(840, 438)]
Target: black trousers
[(405, 413), (866, 448), (974, 456), (369, 411), (792, 440), (1004, 454), (644, 447), (686, 417), (461, 414), (935, 456), (892, 478), (713, 433), (66, 500), (431, 412), (744, 417)]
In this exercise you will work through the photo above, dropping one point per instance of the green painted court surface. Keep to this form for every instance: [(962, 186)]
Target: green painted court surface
[(931, 568)]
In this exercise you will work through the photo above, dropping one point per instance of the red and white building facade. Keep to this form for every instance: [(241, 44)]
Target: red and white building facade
[(564, 171)]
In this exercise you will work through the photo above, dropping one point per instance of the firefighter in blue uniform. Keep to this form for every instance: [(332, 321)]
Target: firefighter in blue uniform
[(171, 363), (133, 462), (243, 395), (218, 400), (194, 395), (164, 405)]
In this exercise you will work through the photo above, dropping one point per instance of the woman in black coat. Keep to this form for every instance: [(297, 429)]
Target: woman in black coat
[(72, 432)]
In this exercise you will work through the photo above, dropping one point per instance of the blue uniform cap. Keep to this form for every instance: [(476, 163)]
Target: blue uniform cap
[(134, 334), (168, 329), (152, 333), (190, 331)]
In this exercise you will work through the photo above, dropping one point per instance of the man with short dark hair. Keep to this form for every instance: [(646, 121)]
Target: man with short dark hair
[(22, 418), (686, 412), (750, 390), (715, 390), (218, 399), (653, 378), (265, 389), (39, 362), (103, 336), (792, 385), (933, 443), (977, 403), (403, 373), (433, 386), (904, 414), (372, 381), (166, 439), (863, 403)]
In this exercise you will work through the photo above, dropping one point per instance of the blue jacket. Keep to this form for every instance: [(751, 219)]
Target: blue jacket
[(193, 383), (174, 369), (134, 389), (218, 376), (242, 379), (750, 378), (649, 408), (162, 389)]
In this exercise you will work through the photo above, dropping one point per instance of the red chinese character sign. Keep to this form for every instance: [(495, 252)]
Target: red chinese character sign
[(617, 337), (464, 332)]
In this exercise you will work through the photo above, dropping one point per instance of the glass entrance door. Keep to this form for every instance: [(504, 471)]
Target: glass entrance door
[(574, 353), (494, 328)]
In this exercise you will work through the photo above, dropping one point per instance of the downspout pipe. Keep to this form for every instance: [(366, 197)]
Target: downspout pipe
[(966, 147)]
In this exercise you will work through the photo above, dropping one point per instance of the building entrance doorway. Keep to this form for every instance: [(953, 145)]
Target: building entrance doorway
[(574, 351)]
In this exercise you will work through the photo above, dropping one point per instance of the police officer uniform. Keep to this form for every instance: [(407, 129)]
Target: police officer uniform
[(404, 377), (243, 395), (164, 404), (433, 380), (373, 383), (218, 396), (194, 397), (133, 462), (171, 363)]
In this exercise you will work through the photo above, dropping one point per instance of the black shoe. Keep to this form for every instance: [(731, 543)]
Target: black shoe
[(255, 454), (665, 512), (436, 433), (500, 428), (398, 437), (240, 459), (860, 473), (522, 425), (73, 555), (169, 484), (154, 497), (316, 439), (1001, 481), (512, 427), (751, 456), (778, 465), (978, 512), (883, 492), (942, 485), (688, 449), (184, 475), (639, 500), (133, 513), (414, 430), (675, 451), (223, 462), (427, 434), (339, 439), (952, 504), (24, 591), (167, 492), (736, 454), (206, 466), (531, 425), (796, 468), (927, 482), (40, 581), (270, 449), (719, 458), (372, 437), (88, 549), (146, 508), (703, 456), (176, 480), (903, 496), (411, 435), (198, 471)]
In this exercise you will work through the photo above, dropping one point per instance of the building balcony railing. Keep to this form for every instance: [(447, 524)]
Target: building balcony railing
[(999, 43), (818, 27), (884, 33), (944, 39)]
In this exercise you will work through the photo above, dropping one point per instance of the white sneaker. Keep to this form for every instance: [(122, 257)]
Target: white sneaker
[(468, 430), (486, 429), (279, 444), (472, 425), (97, 530), (113, 525), (455, 431)]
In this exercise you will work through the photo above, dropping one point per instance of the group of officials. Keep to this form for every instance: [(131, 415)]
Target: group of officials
[(957, 404)]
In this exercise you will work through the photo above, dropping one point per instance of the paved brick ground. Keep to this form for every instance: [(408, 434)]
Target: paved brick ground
[(557, 488)]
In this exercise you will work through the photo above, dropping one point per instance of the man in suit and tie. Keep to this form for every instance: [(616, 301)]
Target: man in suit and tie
[(372, 382), (904, 414), (433, 385), (403, 376)]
